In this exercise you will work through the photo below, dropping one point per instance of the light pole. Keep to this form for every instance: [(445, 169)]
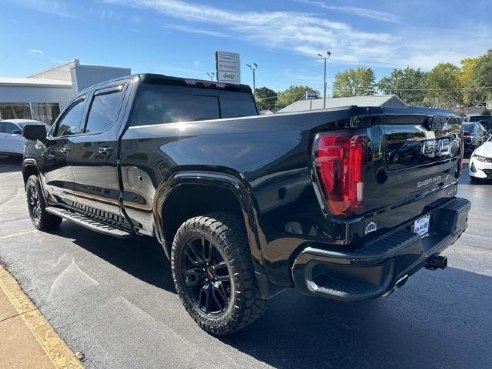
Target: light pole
[(211, 75), (253, 68), (325, 58)]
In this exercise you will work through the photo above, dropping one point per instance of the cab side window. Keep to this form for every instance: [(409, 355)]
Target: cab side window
[(70, 122), (103, 111)]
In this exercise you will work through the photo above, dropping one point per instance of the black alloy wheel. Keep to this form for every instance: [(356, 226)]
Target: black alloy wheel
[(213, 273), (36, 205), (206, 275)]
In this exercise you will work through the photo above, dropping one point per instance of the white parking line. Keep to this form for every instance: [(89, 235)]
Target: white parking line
[(17, 234)]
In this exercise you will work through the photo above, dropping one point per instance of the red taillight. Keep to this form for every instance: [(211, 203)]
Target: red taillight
[(340, 160)]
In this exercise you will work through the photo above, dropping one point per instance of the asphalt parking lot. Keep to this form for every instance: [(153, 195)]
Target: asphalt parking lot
[(114, 301)]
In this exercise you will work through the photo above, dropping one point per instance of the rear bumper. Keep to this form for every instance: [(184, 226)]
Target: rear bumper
[(377, 267)]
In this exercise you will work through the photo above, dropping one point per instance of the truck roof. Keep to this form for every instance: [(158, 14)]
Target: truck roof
[(177, 81)]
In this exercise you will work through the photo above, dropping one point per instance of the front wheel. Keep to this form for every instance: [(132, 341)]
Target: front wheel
[(36, 205), (213, 273)]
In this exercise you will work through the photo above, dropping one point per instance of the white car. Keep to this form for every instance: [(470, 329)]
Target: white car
[(481, 162), (11, 139)]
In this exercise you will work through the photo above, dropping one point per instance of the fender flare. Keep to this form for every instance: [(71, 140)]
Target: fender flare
[(233, 183), (29, 162)]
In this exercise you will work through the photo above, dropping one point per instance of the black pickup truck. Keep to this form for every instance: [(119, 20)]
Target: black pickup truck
[(340, 203)]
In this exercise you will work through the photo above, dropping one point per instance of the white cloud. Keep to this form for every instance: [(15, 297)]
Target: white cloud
[(193, 30), (300, 32), (35, 51), (54, 7), (310, 34), (352, 10)]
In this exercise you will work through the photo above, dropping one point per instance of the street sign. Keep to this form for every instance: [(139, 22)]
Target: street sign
[(311, 95), (228, 67)]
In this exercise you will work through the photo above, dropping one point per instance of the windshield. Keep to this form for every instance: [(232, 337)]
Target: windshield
[(468, 127), (478, 118), (30, 123)]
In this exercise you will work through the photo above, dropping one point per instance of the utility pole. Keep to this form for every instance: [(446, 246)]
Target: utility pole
[(253, 68), (211, 75), (325, 58)]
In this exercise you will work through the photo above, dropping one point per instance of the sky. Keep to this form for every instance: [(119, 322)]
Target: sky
[(284, 37)]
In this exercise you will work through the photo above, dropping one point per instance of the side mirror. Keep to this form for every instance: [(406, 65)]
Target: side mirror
[(16, 132), (34, 131)]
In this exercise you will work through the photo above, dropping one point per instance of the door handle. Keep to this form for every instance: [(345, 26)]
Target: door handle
[(105, 150)]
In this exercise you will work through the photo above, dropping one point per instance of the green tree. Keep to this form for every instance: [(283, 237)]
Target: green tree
[(291, 95), (266, 98), (444, 86), (409, 84), (483, 75), (472, 93), (354, 82)]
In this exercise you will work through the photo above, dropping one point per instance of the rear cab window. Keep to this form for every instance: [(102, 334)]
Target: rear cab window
[(158, 103)]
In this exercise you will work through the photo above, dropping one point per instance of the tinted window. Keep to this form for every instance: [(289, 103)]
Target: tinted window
[(468, 127), (235, 104), (103, 111), (6, 127), (156, 103), (15, 111), (70, 122), (478, 118), (45, 112)]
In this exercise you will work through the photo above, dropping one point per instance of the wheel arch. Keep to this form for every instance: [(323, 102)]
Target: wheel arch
[(29, 168), (190, 193)]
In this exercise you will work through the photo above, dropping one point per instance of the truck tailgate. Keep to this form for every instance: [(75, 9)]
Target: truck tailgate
[(413, 165)]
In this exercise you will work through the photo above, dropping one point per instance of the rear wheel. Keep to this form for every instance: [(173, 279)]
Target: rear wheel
[(213, 273), (36, 205)]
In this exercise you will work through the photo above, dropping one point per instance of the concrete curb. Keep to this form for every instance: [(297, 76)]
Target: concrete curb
[(48, 343)]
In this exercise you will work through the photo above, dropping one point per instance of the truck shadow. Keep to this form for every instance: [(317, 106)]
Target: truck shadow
[(435, 321), (142, 257)]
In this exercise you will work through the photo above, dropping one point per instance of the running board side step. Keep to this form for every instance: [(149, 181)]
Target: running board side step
[(88, 222)]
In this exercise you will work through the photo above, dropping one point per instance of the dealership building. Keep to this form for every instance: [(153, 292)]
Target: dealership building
[(41, 96)]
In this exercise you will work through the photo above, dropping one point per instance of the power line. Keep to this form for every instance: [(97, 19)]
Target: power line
[(442, 89)]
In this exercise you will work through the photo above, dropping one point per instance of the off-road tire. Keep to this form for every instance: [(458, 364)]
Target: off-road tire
[(226, 233), (36, 206)]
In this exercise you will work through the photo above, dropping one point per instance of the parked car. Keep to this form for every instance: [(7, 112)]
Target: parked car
[(481, 162), (485, 120), (11, 140), (474, 134)]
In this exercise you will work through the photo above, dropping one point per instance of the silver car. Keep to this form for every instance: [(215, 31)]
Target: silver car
[(11, 139)]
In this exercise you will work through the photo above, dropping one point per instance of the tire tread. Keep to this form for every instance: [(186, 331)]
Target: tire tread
[(249, 305)]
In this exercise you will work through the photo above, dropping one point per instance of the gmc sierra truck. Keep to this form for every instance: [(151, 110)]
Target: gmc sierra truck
[(340, 203)]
